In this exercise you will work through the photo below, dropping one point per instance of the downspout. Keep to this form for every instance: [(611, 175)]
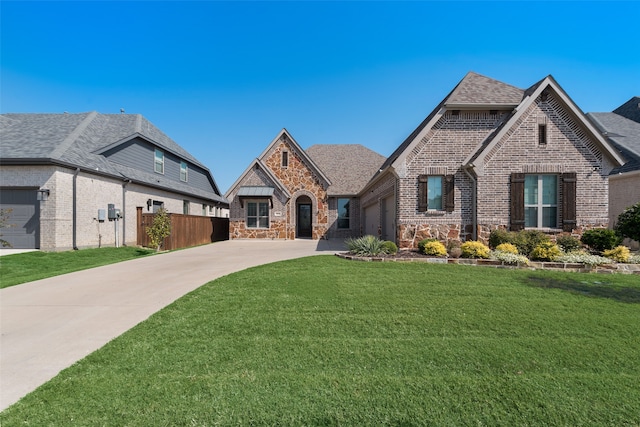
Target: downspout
[(75, 208), (474, 201), (124, 214)]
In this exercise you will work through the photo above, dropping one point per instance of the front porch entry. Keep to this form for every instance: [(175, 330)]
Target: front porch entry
[(304, 224)]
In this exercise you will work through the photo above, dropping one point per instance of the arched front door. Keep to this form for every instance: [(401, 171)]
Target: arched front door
[(304, 224)]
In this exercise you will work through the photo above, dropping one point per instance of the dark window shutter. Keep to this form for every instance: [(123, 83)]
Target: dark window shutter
[(517, 201), (569, 201), (449, 193), (422, 193)]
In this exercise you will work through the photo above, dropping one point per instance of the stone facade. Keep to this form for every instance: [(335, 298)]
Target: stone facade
[(298, 178)]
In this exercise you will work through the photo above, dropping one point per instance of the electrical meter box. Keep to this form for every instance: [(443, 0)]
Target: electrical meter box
[(111, 211)]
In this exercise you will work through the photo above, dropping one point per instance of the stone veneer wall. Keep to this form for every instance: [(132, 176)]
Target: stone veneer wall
[(299, 181)]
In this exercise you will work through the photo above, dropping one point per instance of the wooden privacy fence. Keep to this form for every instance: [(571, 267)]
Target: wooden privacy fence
[(186, 230)]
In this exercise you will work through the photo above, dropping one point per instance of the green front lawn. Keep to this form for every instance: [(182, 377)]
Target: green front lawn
[(30, 266), (326, 341)]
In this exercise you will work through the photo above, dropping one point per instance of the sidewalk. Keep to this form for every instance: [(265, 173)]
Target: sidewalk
[(49, 324)]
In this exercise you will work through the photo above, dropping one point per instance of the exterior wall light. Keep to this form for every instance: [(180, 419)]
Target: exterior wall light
[(43, 194)]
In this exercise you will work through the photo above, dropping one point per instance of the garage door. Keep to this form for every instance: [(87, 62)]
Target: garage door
[(371, 220), (24, 219)]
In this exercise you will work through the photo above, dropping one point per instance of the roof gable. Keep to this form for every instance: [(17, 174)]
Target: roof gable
[(477, 158), (257, 164), (625, 136)]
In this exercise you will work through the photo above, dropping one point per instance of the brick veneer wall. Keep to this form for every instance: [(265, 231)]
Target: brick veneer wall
[(299, 181), (454, 137), (94, 192)]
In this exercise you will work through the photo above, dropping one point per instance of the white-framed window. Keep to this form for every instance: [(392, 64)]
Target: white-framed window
[(257, 214), (343, 213), (158, 161), (184, 172), (541, 201), (434, 193)]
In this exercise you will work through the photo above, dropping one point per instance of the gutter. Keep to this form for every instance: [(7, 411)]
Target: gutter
[(75, 208), (126, 182), (474, 201)]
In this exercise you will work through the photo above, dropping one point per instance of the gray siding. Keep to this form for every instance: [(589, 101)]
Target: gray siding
[(139, 154)]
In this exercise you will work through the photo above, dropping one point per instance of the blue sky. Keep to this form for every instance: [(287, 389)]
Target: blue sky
[(223, 78)]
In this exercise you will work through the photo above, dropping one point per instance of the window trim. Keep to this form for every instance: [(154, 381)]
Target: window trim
[(539, 205), (158, 161), (347, 218), (257, 216), (184, 170), (447, 193)]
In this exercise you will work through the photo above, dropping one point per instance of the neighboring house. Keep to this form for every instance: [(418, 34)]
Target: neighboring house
[(289, 193), (60, 172), (622, 128), (493, 155)]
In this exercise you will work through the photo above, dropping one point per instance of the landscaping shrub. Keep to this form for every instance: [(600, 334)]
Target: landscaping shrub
[(600, 239), (568, 243), (581, 257), (160, 228), (509, 257), (628, 224), (435, 249), (500, 236), (508, 248), (527, 240), (365, 246), (422, 243), (475, 249), (389, 247), (546, 251), (618, 254), (634, 259)]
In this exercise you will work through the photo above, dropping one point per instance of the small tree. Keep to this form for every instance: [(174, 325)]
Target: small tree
[(160, 228), (628, 224), (4, 217)]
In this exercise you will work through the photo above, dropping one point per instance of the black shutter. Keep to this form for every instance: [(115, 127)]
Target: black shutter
[(449, 193), (517, 201), (569, 201), (422, 193)]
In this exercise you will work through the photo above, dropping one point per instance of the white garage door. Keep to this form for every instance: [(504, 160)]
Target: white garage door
[(23, 231)]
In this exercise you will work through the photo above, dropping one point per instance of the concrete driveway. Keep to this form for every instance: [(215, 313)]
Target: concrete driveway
[(49, 324)]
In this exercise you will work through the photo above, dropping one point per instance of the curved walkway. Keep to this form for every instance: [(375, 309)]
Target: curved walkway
[(49, 324)]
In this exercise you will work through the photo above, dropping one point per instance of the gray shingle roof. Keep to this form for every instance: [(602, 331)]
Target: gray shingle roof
[(630, 109), (624, 134), (77, 140), (477, 89), (348, 166)]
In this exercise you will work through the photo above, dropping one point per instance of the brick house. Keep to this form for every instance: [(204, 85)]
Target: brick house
[(622, 128), (289, 193), (493, 155), (60, 172)]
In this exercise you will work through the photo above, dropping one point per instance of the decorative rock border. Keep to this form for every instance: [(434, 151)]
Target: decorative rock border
[(533, 265)]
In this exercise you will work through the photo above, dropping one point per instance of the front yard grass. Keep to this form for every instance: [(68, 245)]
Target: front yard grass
[(326, 341), (30, 266)]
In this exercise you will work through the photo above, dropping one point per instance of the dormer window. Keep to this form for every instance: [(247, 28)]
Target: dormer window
[(285, 159)]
